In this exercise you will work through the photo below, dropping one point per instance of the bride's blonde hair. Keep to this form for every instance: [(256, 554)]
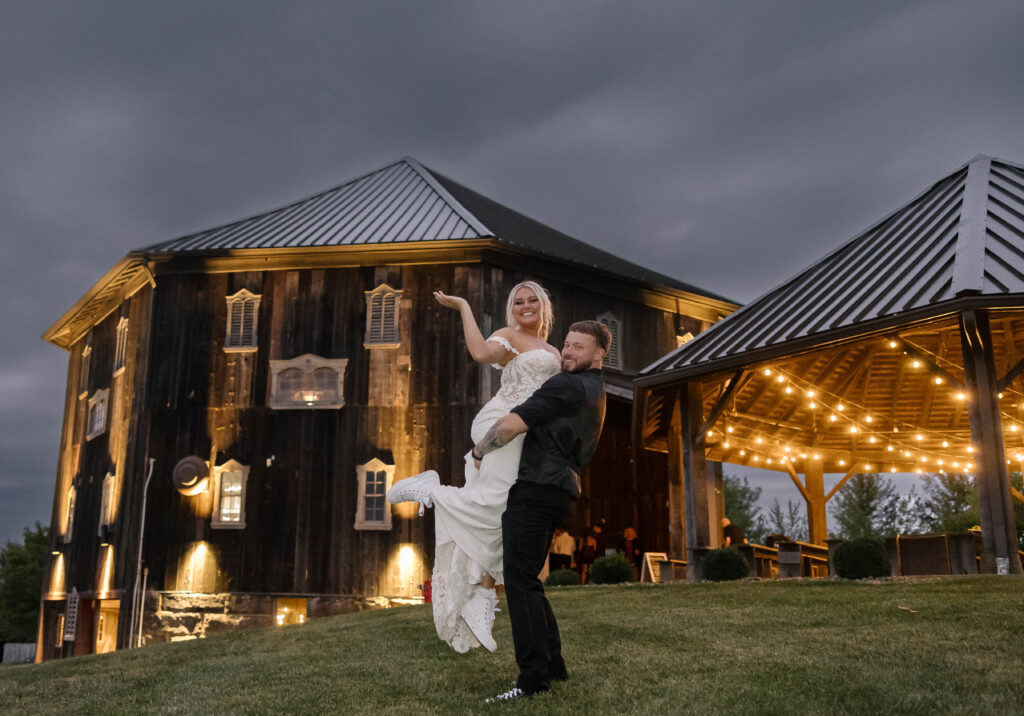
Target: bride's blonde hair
[(547, 314)]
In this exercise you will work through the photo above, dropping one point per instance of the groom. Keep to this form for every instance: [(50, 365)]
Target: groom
[(562, 421)]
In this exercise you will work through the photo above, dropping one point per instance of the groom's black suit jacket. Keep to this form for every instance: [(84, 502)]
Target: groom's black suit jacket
[(564, 417)]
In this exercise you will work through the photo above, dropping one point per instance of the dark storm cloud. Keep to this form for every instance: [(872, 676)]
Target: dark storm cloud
[(727, 144)]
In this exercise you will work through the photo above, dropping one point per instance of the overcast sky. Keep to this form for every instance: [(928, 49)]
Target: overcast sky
[(727, 144)]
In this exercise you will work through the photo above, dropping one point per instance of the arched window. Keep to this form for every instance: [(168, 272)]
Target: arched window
[(97, 415), (243, 314), (372, 509), (308, 381), (613, 359), (69, 518), (382, 305), (229, 495)]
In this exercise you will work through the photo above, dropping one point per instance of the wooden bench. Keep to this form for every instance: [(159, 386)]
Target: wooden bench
[(802, 559)]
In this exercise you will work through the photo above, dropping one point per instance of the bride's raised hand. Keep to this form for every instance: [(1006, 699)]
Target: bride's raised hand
[(454, 302)]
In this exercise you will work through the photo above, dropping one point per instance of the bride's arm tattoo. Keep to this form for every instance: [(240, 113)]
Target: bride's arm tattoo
[(500, 434)]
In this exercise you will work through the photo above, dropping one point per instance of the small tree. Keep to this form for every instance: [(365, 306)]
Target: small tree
[(740, 500), (22, 567), (869, 505), (950, 502), (790, 521)]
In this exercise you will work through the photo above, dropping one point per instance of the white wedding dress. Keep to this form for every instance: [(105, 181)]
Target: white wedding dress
[(468, 519)]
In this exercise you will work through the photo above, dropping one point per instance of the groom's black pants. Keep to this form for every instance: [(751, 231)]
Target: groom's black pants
[(527, 526)]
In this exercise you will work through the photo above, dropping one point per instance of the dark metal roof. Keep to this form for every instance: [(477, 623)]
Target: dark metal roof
[(511, 227), (962, 237), (401, 203)]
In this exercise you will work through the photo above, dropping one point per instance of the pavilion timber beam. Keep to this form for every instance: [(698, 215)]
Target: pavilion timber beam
[(1011, 374), (849, 473), (998, 532), (933, 367), (695, 483), (676, 482), (718, 407)]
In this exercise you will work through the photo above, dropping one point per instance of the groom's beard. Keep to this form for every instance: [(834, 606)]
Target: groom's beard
[(580, 367)]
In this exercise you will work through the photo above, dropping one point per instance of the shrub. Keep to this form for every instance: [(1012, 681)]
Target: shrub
[(610, 569), (562, 578), (725, 564), (861, 558)]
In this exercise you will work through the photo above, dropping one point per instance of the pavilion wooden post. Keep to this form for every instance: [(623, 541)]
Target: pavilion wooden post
[(676, 514), (695, 480), (817, 520), (998, 531)]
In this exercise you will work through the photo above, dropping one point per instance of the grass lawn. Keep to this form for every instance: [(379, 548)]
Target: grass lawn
[(742, 647)]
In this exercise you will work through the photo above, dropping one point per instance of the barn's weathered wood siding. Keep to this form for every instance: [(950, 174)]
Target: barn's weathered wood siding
[(412, 406)]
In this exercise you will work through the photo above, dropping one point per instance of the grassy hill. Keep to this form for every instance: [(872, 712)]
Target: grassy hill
[(747, 647)]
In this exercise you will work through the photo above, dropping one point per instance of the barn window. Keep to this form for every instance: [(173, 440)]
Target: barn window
[(243, 314), (69, 518), (308, 382), (97, 420), (382, 317), (83, 369), (229, 495), (107, 505), (122, 345), (613, 359), (372, 509)]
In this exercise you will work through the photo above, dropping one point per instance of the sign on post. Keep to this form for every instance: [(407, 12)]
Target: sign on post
[(71, 615)]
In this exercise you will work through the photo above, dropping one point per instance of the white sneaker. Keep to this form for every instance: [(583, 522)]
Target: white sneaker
[(478, 613), (511, 695), (419, 488)]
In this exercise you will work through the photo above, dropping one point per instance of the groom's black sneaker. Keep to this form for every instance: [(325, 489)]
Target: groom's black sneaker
[(512, 694)]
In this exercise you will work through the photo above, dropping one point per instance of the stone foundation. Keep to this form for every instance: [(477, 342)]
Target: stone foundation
[(175, 616)]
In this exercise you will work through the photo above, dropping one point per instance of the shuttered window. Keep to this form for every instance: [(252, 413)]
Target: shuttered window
[(96, 423), (242, 319), (613, 359), (382, 305), (122, 345), (373, 511)]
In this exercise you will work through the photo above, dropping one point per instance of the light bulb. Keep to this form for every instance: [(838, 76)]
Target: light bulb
[(920, 437), (810, 393), (867, 418), (813, 405), (890, 448), (871, 439), (916, 364), (840, 407), (833, 417), (853, 428), (892, 344), (728, 429), (938, 380), (767, 371), (945, 443), (842, 463), (781, 378)]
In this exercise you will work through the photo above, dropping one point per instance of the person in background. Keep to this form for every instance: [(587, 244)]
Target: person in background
[(562, 547), (630, 547), (586, 552), (732, 535)]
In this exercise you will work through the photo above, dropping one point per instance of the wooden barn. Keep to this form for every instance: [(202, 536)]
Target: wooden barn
[(239, 400)]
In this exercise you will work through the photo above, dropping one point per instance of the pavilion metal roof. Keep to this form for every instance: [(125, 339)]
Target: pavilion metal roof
[(962, 237), (405, 202)]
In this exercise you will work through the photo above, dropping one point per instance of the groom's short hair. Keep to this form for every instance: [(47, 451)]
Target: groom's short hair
[(598, 330)]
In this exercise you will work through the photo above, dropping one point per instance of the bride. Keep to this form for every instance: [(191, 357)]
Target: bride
[(468, 551)]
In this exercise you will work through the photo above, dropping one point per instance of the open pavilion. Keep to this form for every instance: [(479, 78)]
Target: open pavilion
[(901, 351)]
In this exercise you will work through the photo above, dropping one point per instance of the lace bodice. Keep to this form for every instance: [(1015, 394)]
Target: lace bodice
[(525, 373)]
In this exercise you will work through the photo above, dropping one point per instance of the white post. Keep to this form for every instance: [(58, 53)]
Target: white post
[(138, 565)]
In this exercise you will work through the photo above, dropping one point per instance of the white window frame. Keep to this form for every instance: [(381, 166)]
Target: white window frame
[(382, 328), (98, 401), (83, 370), (106, 507), (120, 352), (362, 472), (237, 305), (308, 364), (216, 521), (613, 359), (69, 518)]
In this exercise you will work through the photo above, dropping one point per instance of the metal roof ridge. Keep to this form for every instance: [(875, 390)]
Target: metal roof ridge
[(269, 212), (969, 265), (844, 246), (428, 176)]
